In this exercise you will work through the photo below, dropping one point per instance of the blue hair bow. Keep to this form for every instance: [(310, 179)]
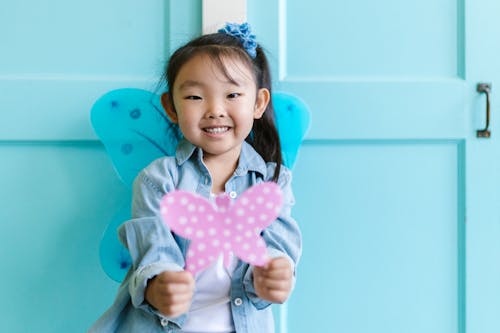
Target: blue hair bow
[(244, 34)]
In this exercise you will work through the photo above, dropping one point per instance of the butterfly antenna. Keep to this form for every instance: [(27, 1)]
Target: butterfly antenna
[(154, 143), (171, 125), (160, 112)]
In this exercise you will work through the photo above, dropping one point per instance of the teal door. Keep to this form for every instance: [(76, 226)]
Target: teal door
[(396, 196)]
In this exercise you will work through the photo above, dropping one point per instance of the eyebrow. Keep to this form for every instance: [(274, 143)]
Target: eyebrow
[(190, 84)]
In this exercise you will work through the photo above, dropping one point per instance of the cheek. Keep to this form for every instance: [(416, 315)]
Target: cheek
[(246, 121)]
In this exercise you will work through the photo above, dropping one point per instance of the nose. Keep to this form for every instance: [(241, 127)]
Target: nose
[(215, 109)]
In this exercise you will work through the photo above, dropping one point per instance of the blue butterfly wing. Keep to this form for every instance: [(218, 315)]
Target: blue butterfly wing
[(115, 258), (134, 129), (293, 120)]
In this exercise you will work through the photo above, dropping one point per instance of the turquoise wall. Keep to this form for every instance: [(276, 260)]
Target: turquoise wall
[(56, 199)]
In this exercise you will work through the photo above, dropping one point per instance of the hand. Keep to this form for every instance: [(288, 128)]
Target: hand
[(273, 281), (171, 293)]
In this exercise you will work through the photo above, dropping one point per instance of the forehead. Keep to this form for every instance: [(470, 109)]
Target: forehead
[(207, 68)]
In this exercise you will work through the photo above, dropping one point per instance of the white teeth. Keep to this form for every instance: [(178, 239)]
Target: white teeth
[(215, 130)]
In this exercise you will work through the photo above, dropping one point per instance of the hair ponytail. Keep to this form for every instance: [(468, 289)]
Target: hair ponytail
[(264, 137)]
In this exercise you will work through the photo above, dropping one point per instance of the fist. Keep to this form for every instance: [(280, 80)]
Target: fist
[(171, 293), (273, 282)]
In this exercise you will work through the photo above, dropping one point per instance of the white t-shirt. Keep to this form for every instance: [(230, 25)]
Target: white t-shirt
[(210, 310)]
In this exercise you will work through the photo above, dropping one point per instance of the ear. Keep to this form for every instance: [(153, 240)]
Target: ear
[(263, 98), (168, 106)]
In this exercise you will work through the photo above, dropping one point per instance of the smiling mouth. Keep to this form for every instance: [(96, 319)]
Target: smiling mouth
[(216, 130)]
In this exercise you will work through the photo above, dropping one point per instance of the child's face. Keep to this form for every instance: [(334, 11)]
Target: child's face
[(212, 112)]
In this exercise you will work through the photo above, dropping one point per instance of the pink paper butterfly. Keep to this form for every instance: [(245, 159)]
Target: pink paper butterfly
[(223, 227)]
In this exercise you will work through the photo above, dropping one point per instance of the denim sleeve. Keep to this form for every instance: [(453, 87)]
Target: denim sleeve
[(152, 246), (283, 239)]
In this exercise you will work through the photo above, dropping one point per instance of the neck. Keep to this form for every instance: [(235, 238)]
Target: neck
[(221, 168)]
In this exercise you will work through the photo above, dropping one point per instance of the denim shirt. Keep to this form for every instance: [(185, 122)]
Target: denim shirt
[(155, 249)]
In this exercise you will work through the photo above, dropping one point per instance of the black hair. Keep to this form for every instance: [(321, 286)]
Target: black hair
[(264, 136)]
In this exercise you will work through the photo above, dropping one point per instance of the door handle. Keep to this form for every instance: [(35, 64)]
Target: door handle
[(485, 88)]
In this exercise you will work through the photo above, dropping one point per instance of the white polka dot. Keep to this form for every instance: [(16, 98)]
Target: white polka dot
[(188, 230), (260, 243), (211, 258), (190, 253), (216, 242), (240, 212), (252, 257), (170, 200), (210, 217), (227, 233), (227, 220), (227, 245), (251, 220), (212, 231), (244, 201), (260, 200), (202, 246), (269, 205), (194, 219), (184, 201), (263, 217), (246, 246), (200, 233), (183, 220), (192, 267), (239, 226), (277, 209), (191, 207), (266, 190), (238, 239), (252, 207), (248, 234), (201, 208), (164, 210), (201, 262)]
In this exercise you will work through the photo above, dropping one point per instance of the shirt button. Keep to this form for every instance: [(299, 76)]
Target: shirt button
[(233, 194), (238, 301), (164, 322)]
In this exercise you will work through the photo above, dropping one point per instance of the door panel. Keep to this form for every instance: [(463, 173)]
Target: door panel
[(483, 170), (55, 64), (380, 183), (383, 246), (368, 39), (57, 186), (56, 203)]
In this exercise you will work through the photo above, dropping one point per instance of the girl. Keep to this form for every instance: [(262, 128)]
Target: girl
[(219, 94)]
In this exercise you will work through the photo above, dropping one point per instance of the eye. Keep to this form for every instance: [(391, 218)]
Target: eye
[(192, 97), (233, 95)]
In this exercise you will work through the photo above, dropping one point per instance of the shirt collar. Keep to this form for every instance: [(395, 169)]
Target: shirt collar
[(249, 159)]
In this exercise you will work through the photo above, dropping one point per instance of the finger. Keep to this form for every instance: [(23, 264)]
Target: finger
[(269, 284), (278, 296), (178, 288), (278, 263), (278, 274), (179, 299), (174, 310), (176, 277), (274, 264), (283, 273)]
